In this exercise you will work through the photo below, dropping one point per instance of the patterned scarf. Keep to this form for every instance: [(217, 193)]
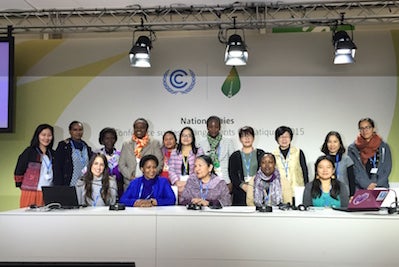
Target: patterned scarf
[(367, 149), (264, 177), (140, 144), (214, 143)]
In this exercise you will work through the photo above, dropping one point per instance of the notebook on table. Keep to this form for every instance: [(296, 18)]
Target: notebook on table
[(65, 196), (366, 200)]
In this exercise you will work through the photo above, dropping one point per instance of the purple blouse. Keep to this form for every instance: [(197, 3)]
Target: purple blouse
[(215, 190), (176, 162)]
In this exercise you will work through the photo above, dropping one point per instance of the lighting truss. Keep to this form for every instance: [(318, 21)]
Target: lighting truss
[(180, 17)]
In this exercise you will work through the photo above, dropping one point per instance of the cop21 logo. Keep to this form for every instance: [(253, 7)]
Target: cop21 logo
[(179, 81)]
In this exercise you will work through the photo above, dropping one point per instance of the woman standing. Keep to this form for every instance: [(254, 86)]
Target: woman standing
[(372, 157), (96, 187), (133, 150), (334, 148), (72, 156), (205, 188), (34, 167), (325, 190), (219, 148), (243, 165), (108, 138), (291, 164), (169, 141), (181, 162)]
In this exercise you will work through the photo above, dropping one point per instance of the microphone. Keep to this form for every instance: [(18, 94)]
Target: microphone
[(116, 205), (294, 207), (267, 201)]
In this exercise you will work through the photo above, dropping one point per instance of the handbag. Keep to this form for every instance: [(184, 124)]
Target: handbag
[(31, 176)]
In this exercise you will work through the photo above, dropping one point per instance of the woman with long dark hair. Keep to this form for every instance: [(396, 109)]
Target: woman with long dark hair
[(181, 162), (334, 148), (169, 143), (34, 167), (97, 187), (325, 190)]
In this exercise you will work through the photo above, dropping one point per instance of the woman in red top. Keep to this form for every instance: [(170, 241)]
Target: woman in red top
[(169, 143)]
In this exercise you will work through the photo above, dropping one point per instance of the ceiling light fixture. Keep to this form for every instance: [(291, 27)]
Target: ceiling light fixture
[(139, 55), (344, 47), (236, 53)]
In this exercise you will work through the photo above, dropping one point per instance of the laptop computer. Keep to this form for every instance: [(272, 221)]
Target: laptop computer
[(366, 200), (60, 197)]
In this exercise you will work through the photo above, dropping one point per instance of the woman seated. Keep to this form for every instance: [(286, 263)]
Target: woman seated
[(96, 187), (204, 187), (267, 185), (149, 189), (325, 190)]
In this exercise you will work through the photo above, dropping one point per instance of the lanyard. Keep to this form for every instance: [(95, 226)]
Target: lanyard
[(266, 190), (203, 196), (285, 162), (141, 192), (50, 160), (97, 197), (337, 165), (247, 163), (374, 160), (185, 165)]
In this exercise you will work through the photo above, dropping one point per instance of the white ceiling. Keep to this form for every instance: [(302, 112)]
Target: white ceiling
[(77, 4)]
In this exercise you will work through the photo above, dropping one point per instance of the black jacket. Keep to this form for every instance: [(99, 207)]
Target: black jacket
[(236, 173)]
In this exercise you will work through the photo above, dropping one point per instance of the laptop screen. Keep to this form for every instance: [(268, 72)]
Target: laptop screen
[(65, 196), (368, 199)]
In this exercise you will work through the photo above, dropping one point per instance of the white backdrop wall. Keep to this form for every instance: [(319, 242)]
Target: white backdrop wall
[(289, 80), (334, 98)]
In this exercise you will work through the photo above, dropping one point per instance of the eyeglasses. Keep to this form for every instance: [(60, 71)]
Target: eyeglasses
[(186, 136), (365, 128)]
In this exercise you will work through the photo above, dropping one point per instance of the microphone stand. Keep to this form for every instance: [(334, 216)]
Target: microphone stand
[(392, 210)]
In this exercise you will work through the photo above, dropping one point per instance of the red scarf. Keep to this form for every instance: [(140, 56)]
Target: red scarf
[(367, 149), (140, 144)]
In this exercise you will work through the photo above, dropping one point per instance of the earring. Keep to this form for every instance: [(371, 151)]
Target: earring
[(333, 176)]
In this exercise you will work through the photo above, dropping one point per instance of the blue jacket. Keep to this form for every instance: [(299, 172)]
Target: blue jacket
[(162, 192), (362, 178)]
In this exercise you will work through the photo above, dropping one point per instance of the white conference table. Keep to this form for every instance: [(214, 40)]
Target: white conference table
[(174, 237)]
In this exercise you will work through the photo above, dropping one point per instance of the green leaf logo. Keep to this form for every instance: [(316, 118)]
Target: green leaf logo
[(232, 84)]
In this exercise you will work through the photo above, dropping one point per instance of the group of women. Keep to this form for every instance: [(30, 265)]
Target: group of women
[(145, 172)]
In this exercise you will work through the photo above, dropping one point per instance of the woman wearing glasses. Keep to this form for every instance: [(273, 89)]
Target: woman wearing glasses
[(291, 163), (372, 157), (243, 165), (181, 162)]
